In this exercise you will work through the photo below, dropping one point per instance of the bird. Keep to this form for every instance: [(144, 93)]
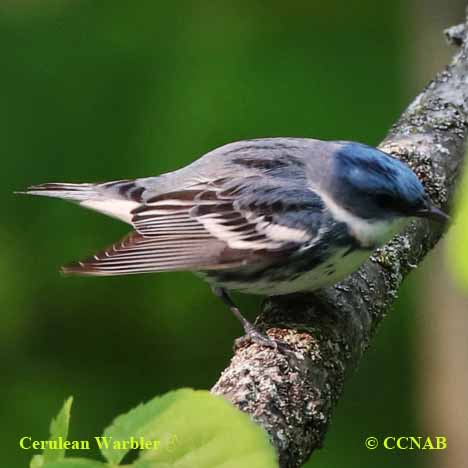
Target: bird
[(267, 216)]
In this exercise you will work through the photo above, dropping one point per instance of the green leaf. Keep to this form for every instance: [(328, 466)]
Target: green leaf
[(457, 245), (37, 461), (75, 463), (189, 429), (58, 430)]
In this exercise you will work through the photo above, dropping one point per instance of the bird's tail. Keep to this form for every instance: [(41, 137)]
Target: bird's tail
[(108, 198), (71, 192)]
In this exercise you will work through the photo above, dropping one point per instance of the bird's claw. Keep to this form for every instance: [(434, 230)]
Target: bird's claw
[(254, 336)]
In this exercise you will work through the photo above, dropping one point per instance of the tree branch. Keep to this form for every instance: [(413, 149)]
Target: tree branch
[(292, 395)]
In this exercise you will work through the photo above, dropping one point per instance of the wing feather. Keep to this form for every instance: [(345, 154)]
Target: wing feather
[(217, 225), (138, 254)]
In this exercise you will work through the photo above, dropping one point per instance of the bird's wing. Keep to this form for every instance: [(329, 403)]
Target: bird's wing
[(214, 224)]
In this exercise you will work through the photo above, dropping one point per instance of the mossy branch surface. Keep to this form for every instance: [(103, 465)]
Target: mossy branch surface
[(292, 395)]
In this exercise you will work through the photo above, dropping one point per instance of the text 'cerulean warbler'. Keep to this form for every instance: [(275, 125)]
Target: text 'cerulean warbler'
[(268, 216)]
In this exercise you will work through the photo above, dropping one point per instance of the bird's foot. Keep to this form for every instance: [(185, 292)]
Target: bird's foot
[(252, 335)]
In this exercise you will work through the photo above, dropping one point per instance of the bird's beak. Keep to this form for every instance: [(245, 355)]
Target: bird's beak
[(434, 213)]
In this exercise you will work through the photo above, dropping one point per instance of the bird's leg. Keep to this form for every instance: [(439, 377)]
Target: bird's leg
[(252, 333)]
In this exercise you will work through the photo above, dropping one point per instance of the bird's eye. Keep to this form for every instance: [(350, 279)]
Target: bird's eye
[(389, 202), (384, 200)]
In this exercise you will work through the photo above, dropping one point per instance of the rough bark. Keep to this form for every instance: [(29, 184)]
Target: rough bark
[(292, 395)]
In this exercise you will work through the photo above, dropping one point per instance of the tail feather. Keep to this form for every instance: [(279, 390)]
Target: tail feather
[(72, 192), (108, 198)]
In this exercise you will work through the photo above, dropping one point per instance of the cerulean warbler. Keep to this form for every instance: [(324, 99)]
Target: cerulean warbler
[(268, 216)]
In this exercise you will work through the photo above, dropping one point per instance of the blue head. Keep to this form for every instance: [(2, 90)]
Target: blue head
[(375, 186)]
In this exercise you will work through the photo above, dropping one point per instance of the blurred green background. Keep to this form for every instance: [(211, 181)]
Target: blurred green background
[(95, 91)]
